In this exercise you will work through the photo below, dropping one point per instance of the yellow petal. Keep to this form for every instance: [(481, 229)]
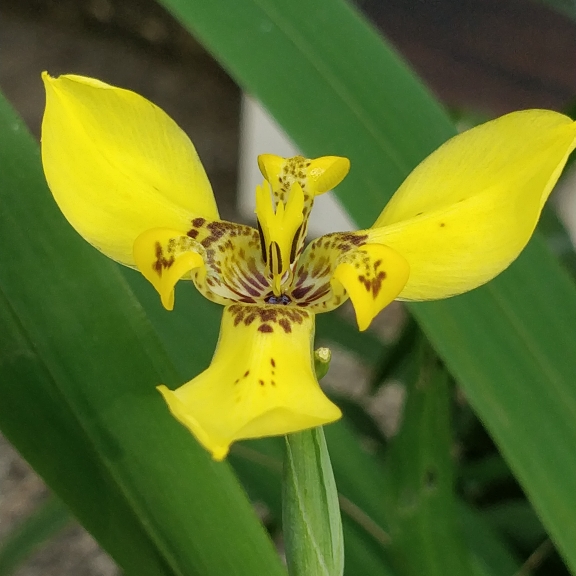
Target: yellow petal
[(467, 211), (317, 175), (261, 380), (164, 256), (327, 172), (117, 165), (373, 276), (271, 167)]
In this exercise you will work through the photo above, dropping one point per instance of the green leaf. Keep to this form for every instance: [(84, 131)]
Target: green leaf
[(517, 521), (78, 365), (49, 518), (425, 534), (490, 555), (509, 344), (310, 509)]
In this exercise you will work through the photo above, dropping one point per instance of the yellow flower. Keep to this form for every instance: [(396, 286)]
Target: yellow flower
[(130, 182)]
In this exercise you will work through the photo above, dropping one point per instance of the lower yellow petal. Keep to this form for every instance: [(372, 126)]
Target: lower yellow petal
[(469, 209), (261, 381), (117, 165), (164, 256), (373, 276)]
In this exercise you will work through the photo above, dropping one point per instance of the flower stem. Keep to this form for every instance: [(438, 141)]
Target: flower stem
[(310, 509)]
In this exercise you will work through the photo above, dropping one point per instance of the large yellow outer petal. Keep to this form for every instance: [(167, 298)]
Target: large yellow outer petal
[(117, 165), (466, 212), (261, 381)]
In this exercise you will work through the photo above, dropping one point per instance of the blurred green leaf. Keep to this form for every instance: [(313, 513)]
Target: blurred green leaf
[(557, 238), (491, 556), (78, 365), (425, 534), (49, 518), (510, 344), (394, 355), (517, 521)]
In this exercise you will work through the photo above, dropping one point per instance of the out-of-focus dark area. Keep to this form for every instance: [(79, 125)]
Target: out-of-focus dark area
[(484, 56)]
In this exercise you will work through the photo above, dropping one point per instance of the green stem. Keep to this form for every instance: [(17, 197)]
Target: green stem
[(310, 509)]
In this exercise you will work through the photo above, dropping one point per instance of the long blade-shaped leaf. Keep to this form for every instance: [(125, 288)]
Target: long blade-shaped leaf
[(337, 89), (426, 536), (78, 367)]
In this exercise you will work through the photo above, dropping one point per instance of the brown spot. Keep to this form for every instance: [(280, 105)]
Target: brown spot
[(192, 233), (161, 261), (377, 283), (247, 300), (198, 222), (273, 383), (246, 373), (273, 362), (355, 239), (285, 325), (268, 314), (301, 291), (249, 319), (302, 275), (265, 328), (442, 224), (261, 382), (365, 281)]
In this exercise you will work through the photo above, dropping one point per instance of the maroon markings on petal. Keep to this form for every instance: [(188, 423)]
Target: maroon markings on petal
[(301, 291)]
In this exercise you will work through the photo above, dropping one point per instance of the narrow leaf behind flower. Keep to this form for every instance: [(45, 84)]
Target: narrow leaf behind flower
[(79, 363), (510, 344), (426, 537)]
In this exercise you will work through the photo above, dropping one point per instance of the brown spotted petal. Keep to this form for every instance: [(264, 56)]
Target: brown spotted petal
[(235, 270), (222, 258), (337, 266), (164, 256), (261, 381)]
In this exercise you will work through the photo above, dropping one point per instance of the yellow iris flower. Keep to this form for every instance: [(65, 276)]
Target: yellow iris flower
[(130, 182)]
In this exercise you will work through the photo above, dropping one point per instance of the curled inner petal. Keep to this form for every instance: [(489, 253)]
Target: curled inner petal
[(373, 276), (341, 265), (164, 256), (261, 381)]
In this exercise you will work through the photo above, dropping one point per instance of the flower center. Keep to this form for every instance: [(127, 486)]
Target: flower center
[(283, 299)]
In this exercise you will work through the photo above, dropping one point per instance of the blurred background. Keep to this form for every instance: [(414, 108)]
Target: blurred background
[(481, 58)]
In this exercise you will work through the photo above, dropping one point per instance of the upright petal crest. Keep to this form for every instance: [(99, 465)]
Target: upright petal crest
[(466, 212), (118, 165), (318, 175), (280, 228)]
